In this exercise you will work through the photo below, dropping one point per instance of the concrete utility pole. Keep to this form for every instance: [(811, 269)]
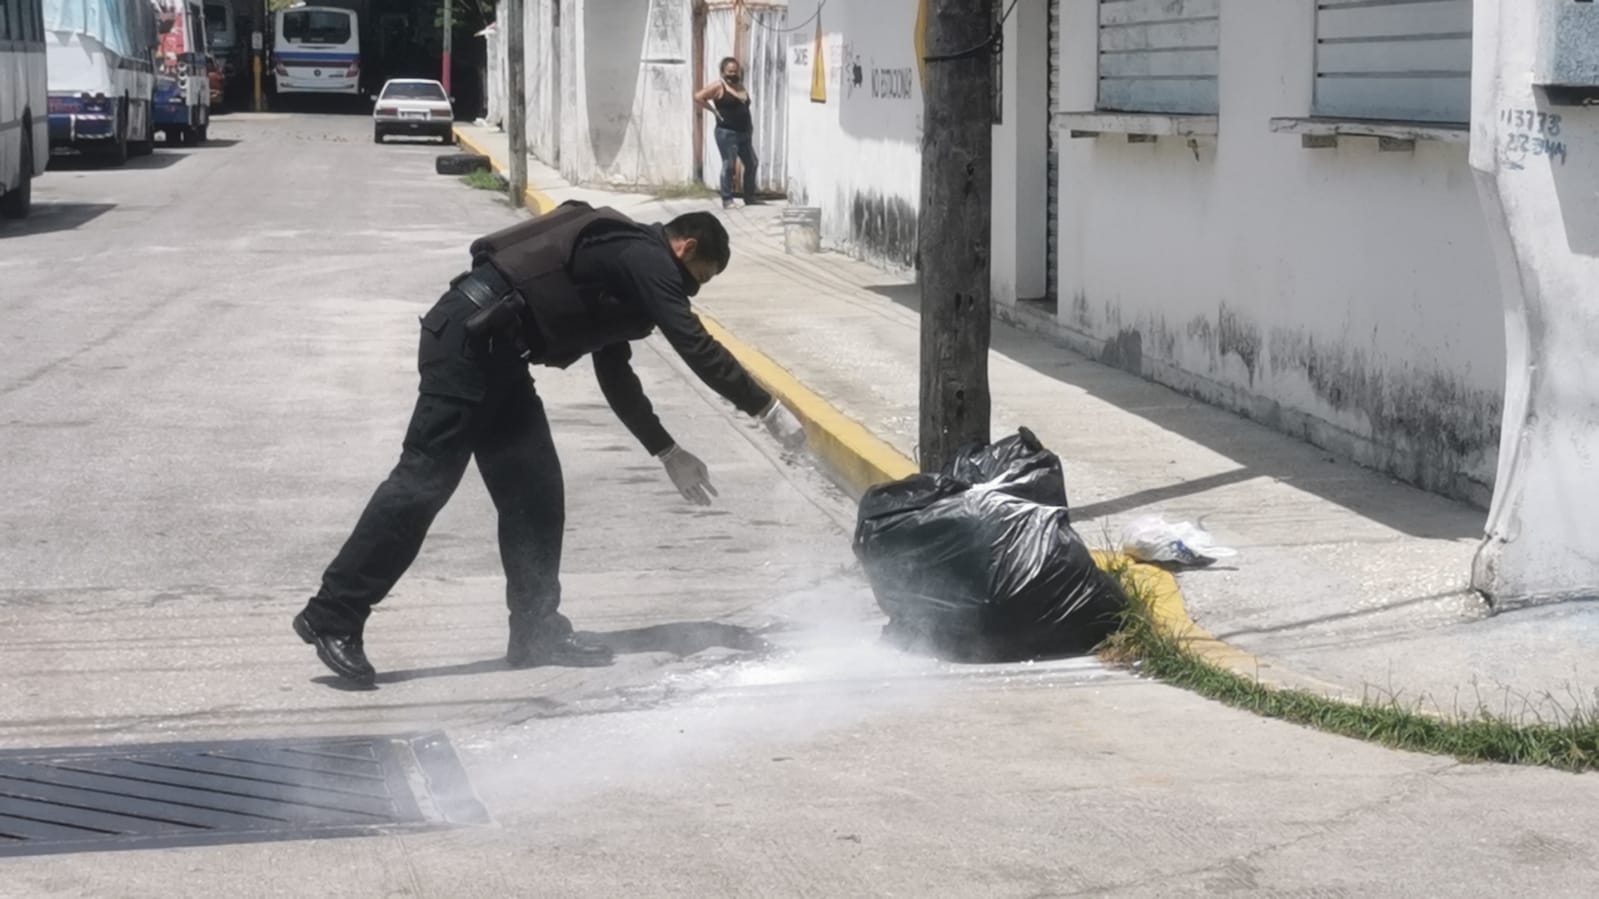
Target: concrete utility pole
[(954, 225), (1534, 133), (449, 29), (516, 99)]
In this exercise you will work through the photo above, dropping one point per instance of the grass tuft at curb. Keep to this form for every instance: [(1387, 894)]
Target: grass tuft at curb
[(1150, 644), (535, 200)]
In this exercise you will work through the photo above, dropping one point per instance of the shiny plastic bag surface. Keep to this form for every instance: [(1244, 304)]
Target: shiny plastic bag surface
[(979, 572)]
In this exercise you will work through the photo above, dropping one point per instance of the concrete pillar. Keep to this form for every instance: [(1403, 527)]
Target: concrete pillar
[(1537, 168), (1021, 165)]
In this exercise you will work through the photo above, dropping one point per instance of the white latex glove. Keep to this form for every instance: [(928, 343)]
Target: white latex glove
[(689, 475), (782, 424)]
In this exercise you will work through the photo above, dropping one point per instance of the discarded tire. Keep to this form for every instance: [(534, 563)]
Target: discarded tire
[(462, 164)]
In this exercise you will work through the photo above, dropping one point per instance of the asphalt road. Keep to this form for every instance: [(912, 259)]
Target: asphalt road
[(208, 363)]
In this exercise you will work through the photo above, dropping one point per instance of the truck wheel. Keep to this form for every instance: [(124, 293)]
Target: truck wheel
[(117, 153), (147, 146), (15, 203), (461, 164), (203, 134)]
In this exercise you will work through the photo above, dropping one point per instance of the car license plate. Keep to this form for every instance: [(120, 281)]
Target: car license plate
[(409, 114)]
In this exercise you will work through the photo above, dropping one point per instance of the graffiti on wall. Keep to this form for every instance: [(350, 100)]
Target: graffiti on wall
[(865, 78)]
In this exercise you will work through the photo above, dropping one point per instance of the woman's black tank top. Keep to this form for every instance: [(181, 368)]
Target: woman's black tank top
[(735, 113)]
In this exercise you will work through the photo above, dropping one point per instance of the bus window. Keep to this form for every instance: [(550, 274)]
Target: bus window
[(316, 27)]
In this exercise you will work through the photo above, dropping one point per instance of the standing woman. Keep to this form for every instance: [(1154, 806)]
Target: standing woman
[(729, 101)]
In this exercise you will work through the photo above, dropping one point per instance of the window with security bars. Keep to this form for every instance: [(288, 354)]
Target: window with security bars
[(1159, 56), (1399, 60)]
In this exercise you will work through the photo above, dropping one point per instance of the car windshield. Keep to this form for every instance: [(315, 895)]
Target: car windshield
[(312, 27), (419, 90)]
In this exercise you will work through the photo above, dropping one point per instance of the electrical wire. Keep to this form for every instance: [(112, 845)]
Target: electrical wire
[(813, 16), (995, 42)]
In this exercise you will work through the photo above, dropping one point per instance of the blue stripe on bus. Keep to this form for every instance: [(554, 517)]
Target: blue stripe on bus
[(309, 58)]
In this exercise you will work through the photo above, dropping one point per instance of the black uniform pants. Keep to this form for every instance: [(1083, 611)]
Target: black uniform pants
[(475, 401)]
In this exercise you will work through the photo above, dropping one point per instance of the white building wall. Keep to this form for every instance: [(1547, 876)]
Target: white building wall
[(494, 90), (1020, 180), (857, 156), (626, 89), (541, 74), (609, 89), (1539, 185), (1346, 295)]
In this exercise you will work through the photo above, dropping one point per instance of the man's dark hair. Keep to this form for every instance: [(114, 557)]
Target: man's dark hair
[(725, 60), (706, 231)]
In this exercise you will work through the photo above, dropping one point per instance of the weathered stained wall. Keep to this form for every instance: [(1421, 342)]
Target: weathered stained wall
[(1539, 176), (542, 73), (494, 101), (609, 89), (627, 86), (1021, 142), (1345, 295), (857, 156)]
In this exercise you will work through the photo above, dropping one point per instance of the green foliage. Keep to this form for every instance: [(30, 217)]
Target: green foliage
[(1547, 731)]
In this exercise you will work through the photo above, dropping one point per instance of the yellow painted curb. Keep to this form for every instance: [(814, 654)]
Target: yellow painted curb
[(861, 459), (1159, 588), (535, 200), (854, 454)]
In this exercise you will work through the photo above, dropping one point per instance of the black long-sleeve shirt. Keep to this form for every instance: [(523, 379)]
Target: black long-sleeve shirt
[(639, 267)]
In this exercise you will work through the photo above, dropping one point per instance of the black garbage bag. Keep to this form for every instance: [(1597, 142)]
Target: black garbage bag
[(977, 570), (1021, 462)]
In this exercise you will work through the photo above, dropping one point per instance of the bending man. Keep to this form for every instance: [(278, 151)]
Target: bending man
[(574, 282)]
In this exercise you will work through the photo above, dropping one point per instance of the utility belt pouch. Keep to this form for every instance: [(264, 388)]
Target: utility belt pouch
[(500, 308)]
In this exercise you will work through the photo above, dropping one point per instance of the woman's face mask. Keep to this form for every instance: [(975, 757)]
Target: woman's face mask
[(732, 77)]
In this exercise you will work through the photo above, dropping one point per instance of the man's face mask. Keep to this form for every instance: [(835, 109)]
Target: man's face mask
[(703, 270)]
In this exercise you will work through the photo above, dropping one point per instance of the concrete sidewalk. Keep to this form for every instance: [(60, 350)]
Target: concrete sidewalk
[(183, 463), (1346, 581)]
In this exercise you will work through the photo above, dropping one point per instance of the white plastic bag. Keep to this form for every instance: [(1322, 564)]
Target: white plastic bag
[(1152, 538)]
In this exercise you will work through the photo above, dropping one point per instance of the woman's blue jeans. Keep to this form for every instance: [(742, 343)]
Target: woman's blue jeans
[(736, 146)]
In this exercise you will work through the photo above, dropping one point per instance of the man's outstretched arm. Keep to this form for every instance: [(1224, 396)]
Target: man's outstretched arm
[(656, 281), (626, 397)]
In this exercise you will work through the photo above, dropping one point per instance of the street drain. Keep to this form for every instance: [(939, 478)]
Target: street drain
[(136, 797)]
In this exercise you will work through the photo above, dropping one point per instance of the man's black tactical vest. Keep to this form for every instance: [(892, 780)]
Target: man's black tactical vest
[(564, 321)]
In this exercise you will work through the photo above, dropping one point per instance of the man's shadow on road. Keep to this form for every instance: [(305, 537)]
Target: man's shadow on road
[(679, 638)]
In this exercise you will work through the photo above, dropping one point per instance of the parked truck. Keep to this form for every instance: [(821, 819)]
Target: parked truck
[(100, 55)]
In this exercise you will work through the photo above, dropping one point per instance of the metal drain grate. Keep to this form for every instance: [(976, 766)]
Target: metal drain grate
[(133, 797)]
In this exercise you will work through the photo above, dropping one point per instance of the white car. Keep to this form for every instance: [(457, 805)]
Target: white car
[(413, 106)]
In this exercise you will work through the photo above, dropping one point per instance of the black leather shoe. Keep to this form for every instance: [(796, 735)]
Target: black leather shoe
[(342, 654), (566, 651)]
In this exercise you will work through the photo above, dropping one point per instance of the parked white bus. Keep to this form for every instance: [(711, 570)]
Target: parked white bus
[(316, 50), (102, 76), (24, 104)]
